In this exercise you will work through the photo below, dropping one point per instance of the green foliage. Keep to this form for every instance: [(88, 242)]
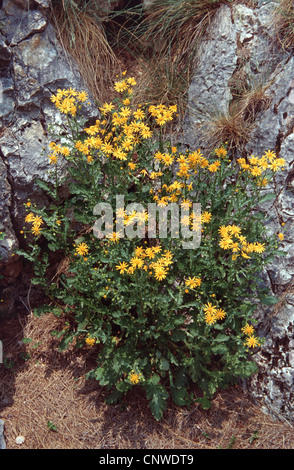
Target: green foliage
[(160, 316)]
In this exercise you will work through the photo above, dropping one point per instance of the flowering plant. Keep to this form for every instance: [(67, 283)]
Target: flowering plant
[(162, 315)]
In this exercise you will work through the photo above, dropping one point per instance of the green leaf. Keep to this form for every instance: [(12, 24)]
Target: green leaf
[(221, 337), (179, 396), (269, 300), (42, 310), (157, 396), (164, 364), (219, 349), (114, 397), (45, 186), (204, 402), (268, 198), (51, 426)]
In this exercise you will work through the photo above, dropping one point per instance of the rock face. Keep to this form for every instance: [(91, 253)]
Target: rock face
[(239, 41), (33, 65), (2, 440)]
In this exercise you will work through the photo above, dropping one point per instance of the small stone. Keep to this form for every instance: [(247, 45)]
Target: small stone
[(20, 440)]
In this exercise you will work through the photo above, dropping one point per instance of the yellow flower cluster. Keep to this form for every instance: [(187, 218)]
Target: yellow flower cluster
[(36, 222), (187, 166), (132, 217), (67, 101), (56, 151), (251, 340), (231, 239), (148, 259), (212, 313), (193, 282), (162, 113), (125, 85), (256, 166)]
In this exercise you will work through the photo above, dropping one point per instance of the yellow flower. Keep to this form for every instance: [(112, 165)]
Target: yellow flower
[(160, 273), (82, 96), (223, 231), (209, 309), (90, 341), (136, 262), (193, 282), (134, 377), (115, 237), (281, 236), (226, 243), (139, 114), (36, 230), (30, 217), (206, 217), (247, 329), (64, 151), (107, 148), (53, 158), (167, 159), (270, 155), (125, 112), (220, 314), (259, 247), (132, 165), (252, 342), (145, 132), (255, 171), (107, 108), (139, 251), (82, 249), (221, 152), (214, 166), (122, 267), (150, 253), (210, 319), (120, 86), (37, 221)]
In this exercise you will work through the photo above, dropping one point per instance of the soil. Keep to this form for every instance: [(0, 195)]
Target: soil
[(46, 398)]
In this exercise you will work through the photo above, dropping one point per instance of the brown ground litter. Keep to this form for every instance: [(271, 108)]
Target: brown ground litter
[(39, 386)]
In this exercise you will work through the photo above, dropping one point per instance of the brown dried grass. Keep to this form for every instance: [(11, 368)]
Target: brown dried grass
[(283, 24), (51, 386), (83, 37)]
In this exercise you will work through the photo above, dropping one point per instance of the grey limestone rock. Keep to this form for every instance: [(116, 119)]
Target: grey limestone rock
[(243, 35), (2, 440), (35, 67)]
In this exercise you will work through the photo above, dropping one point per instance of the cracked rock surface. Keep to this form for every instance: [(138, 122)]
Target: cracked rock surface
[(33, 65), (233, 33)]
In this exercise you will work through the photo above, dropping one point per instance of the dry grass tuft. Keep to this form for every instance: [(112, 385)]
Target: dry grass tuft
[(283, 23), (82, 35), (50, 387), (237, 124), (176, 26)]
